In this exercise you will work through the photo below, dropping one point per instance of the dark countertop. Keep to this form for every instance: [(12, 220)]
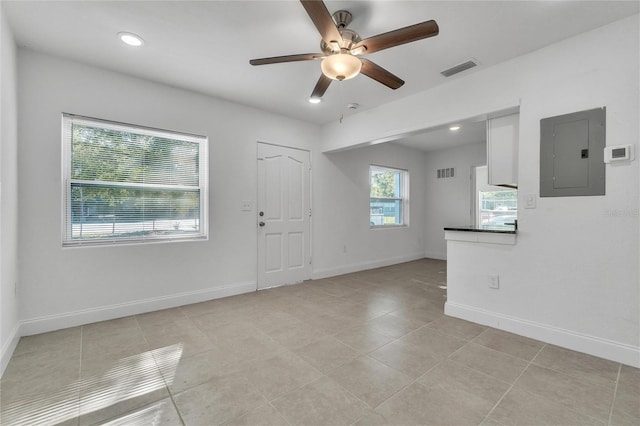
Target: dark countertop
[(489, 229)]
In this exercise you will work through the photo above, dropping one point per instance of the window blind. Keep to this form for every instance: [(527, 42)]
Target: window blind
[(126, 183)]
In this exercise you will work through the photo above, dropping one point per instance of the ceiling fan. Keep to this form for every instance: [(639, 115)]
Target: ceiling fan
[(342, 47)]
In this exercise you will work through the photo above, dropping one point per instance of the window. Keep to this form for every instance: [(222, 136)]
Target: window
[(125, 183), (389, 189), (496, 206)]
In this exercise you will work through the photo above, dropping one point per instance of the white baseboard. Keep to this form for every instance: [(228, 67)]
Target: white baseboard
[(603, 348), (8, 347), (363, 266), (103, 313), (435, 255)]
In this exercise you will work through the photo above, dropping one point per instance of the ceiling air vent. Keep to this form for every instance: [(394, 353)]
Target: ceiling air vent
[(460, 67)]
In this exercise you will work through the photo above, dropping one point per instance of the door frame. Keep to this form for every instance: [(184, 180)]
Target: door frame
[(258, 143)]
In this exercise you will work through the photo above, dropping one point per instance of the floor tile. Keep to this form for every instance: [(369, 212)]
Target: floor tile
[(327, 323), (577, 364), (218, 400), (197, 309), (509, 343), (457, 327), (252, 346), (357, 313), (176, 326), (190, 342), (372, 418), (434, 343), (370, 380), (280, 374), (40, 374), (393, 326), (264, 415), (271, 320), (522, 408), (332, 288), (126, 342), (159, 413), (295, 334), (326, 354), (97, 330), (417, 405), (56, 406), (113, 387), (626, 408), (576, 393), (407, 358), (497, 364), (363, 338), (323, 402), (160, 317), (223, 325), (183, 373), (479, 391), (67, 339), (423, 315)]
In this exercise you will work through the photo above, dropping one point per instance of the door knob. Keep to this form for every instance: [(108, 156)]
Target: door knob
[(261, 223)]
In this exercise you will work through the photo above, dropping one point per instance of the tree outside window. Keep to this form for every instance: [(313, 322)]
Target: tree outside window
[(388, 189), (130, 184)]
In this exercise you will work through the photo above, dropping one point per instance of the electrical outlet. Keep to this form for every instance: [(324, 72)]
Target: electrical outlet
[(494, 281)]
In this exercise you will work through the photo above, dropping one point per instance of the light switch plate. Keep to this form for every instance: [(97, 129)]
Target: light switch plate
[(246, 206), (494, 281), (530, 201)]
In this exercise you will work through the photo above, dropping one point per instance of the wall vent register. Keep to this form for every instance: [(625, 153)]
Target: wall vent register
[(445, 173)]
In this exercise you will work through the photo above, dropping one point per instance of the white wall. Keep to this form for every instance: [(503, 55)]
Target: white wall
[(62, 287), (573, 276), (449, 199), (8, 194), (343, 240)]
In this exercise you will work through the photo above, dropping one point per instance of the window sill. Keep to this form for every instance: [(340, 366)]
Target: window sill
[(104, 243), (387, 226)]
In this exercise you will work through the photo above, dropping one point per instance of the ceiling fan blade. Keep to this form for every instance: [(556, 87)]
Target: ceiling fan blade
[(380, 75), (322, 19), (287, 58), (321, 86), (399, 36)]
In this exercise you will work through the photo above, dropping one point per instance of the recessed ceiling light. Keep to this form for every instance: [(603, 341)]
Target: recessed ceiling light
[(315, 100), (454, 128), (131, 39)]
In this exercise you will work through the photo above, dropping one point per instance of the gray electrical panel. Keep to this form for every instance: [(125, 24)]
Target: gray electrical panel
[(572, 154)]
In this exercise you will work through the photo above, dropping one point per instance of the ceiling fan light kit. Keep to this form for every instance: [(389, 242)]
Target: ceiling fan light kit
[(341, 48), (341, 66)]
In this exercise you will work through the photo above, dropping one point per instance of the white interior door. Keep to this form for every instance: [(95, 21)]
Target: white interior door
[(284, 215)]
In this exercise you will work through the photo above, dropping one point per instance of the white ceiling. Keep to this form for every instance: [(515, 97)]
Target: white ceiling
[(205, 46), (471, 131)]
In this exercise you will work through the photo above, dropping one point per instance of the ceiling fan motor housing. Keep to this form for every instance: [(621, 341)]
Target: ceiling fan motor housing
[(350, 38)]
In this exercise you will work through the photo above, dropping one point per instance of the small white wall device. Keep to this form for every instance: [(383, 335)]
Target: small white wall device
[(613, 154)]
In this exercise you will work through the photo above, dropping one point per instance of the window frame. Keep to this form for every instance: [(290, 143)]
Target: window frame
[(480, 186), (403, 198), (203, 181)]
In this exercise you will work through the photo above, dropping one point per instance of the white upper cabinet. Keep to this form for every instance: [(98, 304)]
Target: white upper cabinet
[(502, 150)]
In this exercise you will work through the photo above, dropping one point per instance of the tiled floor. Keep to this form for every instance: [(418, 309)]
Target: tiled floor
[(365, 348)]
